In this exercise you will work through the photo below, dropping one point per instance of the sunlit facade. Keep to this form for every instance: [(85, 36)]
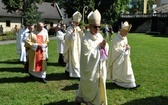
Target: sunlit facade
[(161, 2)]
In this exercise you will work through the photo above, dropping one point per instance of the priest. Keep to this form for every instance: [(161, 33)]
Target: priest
[(119, 64), (94, 50), (72, 47)]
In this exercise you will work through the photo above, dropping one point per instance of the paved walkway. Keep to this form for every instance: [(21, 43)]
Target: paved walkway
[(7, 42), (14, 41)]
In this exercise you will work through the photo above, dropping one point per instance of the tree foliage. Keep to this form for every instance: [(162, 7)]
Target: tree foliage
[(30, 14), (109, 9), (71, 6), (137, 6), (12, 6), (27, 8), (150, 5)]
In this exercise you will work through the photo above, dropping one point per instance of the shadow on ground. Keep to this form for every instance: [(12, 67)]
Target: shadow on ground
[(11, 61), (27, 78), (62, 102), (59, 76), (18, 79), (112, 86), (158, 100), (70, 87), (14, 70), (55, 64)]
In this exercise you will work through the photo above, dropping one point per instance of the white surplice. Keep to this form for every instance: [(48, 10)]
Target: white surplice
[(19, 40), (23, 49), (60, 41), (72, 50), (119, 63)]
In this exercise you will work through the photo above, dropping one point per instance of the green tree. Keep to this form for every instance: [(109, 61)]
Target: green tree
[(28, 9), (137, 6), (106, 9), (30, 14), (119, 7), (109, 9), (71, 6), (150, 5)]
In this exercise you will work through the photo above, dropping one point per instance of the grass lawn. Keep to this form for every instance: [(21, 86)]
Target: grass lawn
[(149, 55)]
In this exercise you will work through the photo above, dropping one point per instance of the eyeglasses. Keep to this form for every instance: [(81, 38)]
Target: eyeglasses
[(96, 27)]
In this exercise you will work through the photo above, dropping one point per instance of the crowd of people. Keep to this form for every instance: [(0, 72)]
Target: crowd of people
[(84, 53)]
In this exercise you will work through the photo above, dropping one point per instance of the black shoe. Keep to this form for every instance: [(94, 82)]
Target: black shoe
[(77, 101), (30, 75), (64, 64), (66, 72), (43, 80)]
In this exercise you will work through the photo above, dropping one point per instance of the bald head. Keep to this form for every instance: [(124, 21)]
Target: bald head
[(40, 26)]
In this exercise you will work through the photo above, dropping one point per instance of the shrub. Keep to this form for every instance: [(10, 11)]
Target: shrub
[(8, 36)]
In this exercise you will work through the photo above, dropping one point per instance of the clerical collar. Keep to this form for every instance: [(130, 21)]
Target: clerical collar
[(94, 37), (119, 34)]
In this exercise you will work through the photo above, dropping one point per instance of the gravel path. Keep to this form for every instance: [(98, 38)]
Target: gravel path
[(14, 41)]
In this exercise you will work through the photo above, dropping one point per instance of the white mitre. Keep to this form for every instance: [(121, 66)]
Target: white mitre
[(77, 16), (94, 18), (89, 14), (126, 26)]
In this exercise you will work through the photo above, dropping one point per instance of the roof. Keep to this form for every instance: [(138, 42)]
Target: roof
[(3, 12), (48, 11), (162, 9)]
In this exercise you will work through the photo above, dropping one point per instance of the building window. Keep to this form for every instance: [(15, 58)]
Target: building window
[(8, 23), (46, 22)]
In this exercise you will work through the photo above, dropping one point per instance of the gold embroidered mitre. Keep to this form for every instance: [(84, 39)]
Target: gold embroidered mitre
[(126, 26)]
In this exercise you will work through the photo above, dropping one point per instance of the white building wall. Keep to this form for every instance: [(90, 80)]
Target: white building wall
[(13, 22), (17, 21)]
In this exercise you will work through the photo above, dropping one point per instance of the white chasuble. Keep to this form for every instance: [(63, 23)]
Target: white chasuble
[(119, 63), (92, 86)]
